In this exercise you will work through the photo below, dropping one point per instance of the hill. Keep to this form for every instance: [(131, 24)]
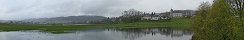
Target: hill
[(69, 19)]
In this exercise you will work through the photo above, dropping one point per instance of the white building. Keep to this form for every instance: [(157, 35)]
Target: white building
[(182, 13)]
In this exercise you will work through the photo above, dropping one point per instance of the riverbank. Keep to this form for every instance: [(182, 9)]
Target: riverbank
[(175, 23), (183, 23)]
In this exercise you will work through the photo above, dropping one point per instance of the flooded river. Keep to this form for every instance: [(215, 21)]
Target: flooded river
[(102, 34)]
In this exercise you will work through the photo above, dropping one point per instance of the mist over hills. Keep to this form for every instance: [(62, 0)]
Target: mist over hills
[(69, 19)]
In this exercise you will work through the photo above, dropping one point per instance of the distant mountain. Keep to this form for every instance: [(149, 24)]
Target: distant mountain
[(69, 19), (3, 21)]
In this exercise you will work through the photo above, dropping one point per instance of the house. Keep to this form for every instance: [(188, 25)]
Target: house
[(165, 15), (152, 16), (182, 13), (146, 17), (155, 17), (168, 15)]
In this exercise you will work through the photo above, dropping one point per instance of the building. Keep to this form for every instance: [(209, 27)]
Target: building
[(168, 15), (165, 15), (182, 13), (146, 17), (156, 16)]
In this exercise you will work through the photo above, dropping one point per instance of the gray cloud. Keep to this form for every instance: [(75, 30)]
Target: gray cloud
[(24, 9)]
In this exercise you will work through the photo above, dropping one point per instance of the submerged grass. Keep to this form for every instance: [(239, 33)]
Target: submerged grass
[(183, 23), (53, 28)]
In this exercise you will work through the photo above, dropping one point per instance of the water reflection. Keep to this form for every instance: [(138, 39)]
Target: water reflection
[(103, 34), (139, 33)]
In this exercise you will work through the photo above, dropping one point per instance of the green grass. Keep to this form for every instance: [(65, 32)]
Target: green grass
[(183, 23)]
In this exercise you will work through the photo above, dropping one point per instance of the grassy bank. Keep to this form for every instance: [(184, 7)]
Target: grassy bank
[(174, 23)]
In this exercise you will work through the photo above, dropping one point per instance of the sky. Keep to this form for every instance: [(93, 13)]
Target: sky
[(26, 9)]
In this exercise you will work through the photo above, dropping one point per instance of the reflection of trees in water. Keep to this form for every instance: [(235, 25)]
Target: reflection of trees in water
[(131, 33), (134, 33), (165, 31)]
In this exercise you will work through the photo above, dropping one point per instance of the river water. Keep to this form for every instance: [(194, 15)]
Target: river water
[(102, 34)]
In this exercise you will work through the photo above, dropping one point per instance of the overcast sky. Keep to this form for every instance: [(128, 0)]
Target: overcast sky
[(25, 9)]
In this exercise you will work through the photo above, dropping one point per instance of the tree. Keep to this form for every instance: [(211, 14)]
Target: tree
[(237, 7), (218, 23), (131, 15), (199, 21), (131, 12)]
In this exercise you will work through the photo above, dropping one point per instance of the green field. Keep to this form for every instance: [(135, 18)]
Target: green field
[(174, 23)]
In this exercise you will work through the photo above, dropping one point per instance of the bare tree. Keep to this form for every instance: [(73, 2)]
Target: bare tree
[(131, 15), (131, 12)]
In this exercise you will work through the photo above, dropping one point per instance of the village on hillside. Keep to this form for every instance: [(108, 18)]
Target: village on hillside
[(134, 15), (130, 15)]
